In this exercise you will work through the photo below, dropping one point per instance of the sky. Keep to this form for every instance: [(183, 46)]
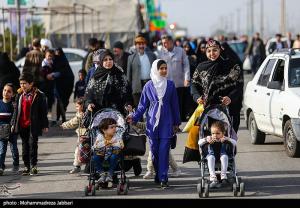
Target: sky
[(202, 17)]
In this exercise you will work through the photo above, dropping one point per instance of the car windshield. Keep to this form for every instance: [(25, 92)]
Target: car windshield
[(294, 73)]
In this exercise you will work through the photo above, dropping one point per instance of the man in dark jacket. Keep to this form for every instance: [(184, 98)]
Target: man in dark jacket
[(257, 52), (121, 56), (30, 120), (278, 44)]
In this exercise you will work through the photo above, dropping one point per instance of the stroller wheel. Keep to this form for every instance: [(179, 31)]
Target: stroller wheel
[(125, 189), (199, 189), (206, 190), (127, 182), (242, 189), (86, 190), (234, 189), (93, 190)]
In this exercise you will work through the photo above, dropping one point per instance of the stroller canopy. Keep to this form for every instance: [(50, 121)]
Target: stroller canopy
[(217, 112), (110, 113)]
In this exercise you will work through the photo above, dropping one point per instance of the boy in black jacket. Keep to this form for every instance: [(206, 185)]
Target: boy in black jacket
[(30, 120)]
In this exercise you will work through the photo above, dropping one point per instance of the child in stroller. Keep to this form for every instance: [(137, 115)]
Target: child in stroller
[(107, 148), (217, 149), (106, 132), (217, 145)]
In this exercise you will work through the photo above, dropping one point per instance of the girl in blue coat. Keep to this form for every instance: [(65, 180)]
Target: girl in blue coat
[(159, 97)]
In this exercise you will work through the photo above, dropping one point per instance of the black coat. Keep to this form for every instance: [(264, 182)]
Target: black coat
[(38, 113)]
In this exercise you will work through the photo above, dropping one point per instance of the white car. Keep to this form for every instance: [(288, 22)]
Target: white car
[(272, 100), (75, 57)]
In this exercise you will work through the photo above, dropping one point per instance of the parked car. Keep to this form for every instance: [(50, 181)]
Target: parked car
[(272, 40), (271, 100), (75, 57)]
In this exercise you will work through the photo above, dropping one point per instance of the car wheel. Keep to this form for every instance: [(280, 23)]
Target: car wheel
[(291, 145), (257, 136)]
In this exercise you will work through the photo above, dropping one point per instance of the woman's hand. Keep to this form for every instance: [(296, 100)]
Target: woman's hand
[(224, 139), (225, 100), (200, 100), (91, 106)]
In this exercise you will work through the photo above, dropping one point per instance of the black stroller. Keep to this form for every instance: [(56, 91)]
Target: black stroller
[(209, 115), (122, 181)]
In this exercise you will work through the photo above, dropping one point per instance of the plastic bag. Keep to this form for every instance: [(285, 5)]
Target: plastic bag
[(193, 118), (247, 63)]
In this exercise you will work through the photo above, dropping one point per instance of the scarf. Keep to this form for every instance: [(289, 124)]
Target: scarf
[(160, 85), (216, 78)]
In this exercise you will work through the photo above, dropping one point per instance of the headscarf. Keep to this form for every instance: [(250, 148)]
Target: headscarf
[(160, 85), (101, 72), (216, 78)]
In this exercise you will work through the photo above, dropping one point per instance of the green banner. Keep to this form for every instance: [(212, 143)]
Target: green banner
[(13, 2), (159, 23)]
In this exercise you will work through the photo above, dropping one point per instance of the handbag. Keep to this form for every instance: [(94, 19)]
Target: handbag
[(134, 144), (173, 141), (4, 131)]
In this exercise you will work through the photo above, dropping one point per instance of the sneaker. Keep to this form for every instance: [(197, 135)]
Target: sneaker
[(15, 169), (223, 176), (164, 185), (109, 178), (26, 171), (76, 169), (102, 178), (148, 175), (1, 172), (176, 173), (214, 184), (34, 171)]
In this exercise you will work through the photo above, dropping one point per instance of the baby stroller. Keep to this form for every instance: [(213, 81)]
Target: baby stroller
[(209, 115), (122, 182)]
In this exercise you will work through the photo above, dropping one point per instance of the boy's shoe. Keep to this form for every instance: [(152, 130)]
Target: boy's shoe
[(76, 169), (26, 171), (214, 184), (34, 171), (15, 169), (148, 175), (1, 172)]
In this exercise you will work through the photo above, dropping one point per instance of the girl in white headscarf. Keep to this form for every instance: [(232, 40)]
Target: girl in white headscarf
[(159, 96)]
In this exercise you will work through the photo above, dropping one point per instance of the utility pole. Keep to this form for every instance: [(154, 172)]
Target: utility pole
[(75, 26), (18, 26), (262, 18), (283, 17), (98, 20), (238, 21), (251, 17), (92, 21), (4, 41), (83, 31)]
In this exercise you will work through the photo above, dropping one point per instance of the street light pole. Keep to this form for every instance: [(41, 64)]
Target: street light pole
[(75, 26), (4, 41), (18, 26), (283, 17), (82, 35)]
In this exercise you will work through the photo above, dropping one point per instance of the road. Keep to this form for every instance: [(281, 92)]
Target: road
[(265, 169)]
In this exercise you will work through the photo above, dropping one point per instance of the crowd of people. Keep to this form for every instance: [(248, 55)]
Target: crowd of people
[(166, 81)]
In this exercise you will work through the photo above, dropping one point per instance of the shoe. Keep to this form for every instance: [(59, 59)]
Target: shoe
[(15, 169), (76, 169), (164, 185), (214, 184), (223, 177), (102, 178), (176, 173), (148, 175), (26, 171), (34, 171), (108, 178), (1, 172)]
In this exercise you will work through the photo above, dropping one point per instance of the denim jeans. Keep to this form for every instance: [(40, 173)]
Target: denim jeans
[(219, 146), (13, 148), (112, 160)]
